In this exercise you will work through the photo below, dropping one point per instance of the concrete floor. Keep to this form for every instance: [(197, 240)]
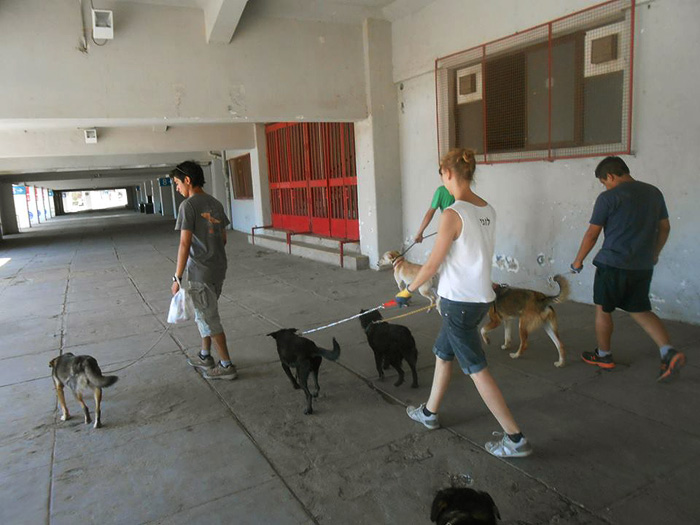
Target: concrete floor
[(611, 446)]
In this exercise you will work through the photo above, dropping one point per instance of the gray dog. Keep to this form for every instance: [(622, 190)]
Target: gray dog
[(79, 372)]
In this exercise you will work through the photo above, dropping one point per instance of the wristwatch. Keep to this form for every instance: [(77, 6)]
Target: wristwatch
[(176, 278)]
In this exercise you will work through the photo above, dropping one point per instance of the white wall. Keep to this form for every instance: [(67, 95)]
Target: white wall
[(544, 208), (159, 65)]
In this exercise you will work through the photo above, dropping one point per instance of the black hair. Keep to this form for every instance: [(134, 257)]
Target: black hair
[(190, 169), (614, 165)]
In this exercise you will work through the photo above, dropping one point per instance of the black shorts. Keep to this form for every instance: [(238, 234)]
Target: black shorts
[(624, 289)]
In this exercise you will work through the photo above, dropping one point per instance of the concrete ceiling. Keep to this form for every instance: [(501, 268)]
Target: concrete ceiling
[(109, 168)]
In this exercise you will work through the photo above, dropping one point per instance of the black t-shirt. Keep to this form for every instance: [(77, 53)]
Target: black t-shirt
[(630, 215)]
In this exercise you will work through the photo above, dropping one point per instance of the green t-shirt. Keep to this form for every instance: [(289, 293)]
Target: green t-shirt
[(442, 199)]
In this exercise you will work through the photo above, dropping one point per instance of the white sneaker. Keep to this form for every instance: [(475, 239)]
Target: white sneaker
[(507, 448), (417, 414)]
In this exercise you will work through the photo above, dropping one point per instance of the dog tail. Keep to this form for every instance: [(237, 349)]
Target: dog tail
[(331, 355), (563, 294), (94, 374)]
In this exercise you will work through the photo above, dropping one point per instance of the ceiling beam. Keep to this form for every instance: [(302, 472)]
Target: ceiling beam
[(221, 19)]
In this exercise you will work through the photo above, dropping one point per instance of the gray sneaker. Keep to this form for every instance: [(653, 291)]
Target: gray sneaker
[(416, 414), (507, 448), (221, 372), (199, 361)]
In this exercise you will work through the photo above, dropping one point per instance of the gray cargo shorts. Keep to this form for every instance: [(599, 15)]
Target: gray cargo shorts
[(205, 297)]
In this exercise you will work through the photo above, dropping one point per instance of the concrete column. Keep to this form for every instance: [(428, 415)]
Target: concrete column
[(157, 198), (31, 202), (52, 206), (8, 215), (173, 194), (130, 197), (260, 178), (58, 202), (219, 186), (377, 148), (168, 200)]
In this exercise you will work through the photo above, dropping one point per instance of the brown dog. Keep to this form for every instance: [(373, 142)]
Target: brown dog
[(79, 372), (533, 308), (404, 274)]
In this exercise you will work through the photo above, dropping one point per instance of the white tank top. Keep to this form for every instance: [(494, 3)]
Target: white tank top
[(465, 275)]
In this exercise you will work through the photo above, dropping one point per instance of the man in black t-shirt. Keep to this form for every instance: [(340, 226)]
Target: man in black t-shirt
[(634, 218)]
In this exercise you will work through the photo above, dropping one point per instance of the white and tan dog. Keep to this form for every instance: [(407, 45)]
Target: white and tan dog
[(404, 274)]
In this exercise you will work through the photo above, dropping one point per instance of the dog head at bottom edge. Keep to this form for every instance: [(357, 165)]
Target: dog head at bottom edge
[(463, 506)]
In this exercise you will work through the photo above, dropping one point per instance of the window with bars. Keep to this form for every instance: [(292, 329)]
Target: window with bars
[(241, 177), (559, 90)]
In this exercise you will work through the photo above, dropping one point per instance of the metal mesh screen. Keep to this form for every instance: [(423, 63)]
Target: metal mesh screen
[(559, 90), (313, 184)]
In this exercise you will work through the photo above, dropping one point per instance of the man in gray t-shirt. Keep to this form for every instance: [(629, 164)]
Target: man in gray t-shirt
[(634, 218), (202, 224)]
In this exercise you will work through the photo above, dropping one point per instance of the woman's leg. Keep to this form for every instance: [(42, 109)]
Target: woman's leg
[(492, 396), (441, 380)]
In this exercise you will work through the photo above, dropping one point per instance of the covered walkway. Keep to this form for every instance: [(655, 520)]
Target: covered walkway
[(611, 447)]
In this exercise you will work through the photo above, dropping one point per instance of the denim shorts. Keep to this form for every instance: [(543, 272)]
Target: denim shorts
[(459, 335), (205, 297)]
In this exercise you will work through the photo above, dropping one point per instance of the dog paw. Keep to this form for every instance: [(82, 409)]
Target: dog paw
[(514, 355), (296, 387), (65, 417), (308, 411), (98, 424), (88, 420), (414, 385), (559, 363), (505, 347), (399, 382)]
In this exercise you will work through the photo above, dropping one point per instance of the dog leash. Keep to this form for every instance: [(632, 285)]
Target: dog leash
[(414, 243), (405, 315), (549, 279), (388, 304), (167, 329)]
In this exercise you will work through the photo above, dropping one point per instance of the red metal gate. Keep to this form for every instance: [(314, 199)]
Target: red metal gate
[(313, 183)]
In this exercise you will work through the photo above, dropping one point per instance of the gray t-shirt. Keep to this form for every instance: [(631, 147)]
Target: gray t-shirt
[(204, 216), (630, 215)]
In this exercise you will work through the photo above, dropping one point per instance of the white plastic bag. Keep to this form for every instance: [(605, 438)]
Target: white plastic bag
[(181, 307)]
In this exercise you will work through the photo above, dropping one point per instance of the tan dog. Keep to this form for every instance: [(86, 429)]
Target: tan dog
[(404, 274), (533, 308), (79, 372)]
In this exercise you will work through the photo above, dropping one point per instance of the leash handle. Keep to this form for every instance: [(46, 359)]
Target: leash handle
[(575, 270)]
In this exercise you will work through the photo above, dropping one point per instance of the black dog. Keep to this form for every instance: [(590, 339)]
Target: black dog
[(303, 355), (391, 343), (463, 506)]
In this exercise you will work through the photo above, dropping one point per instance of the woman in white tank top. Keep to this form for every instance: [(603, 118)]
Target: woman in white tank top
[(462, 254)]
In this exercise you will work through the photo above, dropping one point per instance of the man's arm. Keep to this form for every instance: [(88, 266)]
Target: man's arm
[(661, 237), (587, 244), (183, 253), (423, 225)]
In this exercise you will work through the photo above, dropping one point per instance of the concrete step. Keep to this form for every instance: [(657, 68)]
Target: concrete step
[(309, 239), (311, 250)]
